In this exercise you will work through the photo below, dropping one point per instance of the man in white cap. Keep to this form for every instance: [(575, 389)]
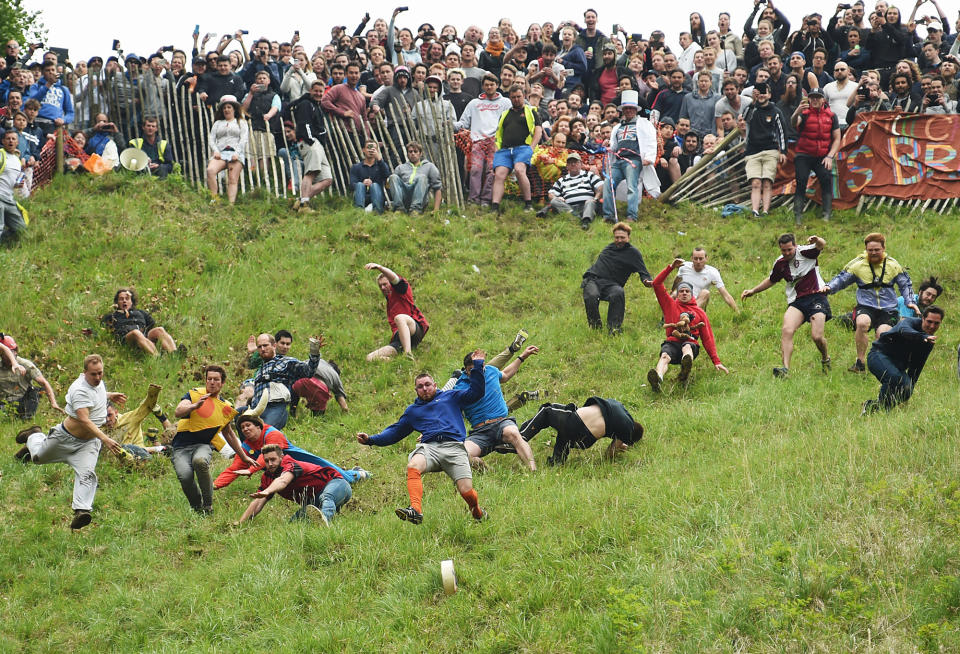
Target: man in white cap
[(577, 192), (633, 145)]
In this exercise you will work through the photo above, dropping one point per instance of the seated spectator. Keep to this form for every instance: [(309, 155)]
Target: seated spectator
[(158, 150), (551, 158), (412, 180), (576, 193), (101, 140), (136, 327), (17, 376), (227, 143), (368, 178)]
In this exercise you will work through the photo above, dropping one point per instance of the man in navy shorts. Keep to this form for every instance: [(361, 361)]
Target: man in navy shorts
[(798, 268), (518, 133)]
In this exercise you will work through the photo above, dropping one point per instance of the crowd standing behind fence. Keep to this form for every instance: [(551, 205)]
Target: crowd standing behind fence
[(413, 87)]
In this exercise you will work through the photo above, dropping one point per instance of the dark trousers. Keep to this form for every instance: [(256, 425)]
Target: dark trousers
[(571, 432), (803, 164), (28, 404), (596, 289), (896, 386)]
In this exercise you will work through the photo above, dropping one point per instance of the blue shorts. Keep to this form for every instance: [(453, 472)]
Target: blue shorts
[(509, 157)]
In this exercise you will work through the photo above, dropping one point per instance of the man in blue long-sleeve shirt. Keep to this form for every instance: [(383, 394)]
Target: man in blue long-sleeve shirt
[(56, 103), (898, 356), (436, 415)]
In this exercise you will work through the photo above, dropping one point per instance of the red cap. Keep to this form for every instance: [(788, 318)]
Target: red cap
[(9, 342)]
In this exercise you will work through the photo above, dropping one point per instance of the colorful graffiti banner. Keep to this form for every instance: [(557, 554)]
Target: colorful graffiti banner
[(889, 154)]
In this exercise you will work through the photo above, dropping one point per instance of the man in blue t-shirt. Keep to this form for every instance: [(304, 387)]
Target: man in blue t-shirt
[(490, 425)]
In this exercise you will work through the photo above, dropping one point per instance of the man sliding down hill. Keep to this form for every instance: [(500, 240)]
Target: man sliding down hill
[(407, 322), (681, 345)]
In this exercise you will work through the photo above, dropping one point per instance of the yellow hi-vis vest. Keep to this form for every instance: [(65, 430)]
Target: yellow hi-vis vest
[(528, 112), (161, 147)]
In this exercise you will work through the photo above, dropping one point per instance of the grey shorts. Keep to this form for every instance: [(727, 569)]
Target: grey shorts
[(449, 456), (489, 436), (315, 161)]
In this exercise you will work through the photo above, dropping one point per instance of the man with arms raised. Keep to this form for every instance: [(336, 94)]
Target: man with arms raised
[(408, 324), (77, 440), (700, 275), (436, 415), (799, 269)]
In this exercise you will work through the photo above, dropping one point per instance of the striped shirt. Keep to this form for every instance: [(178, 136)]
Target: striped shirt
[(577, 189)]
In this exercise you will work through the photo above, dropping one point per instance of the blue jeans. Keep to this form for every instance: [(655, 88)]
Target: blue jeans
[(292, 165), (335, 494), (275, 415), (895, 384), (406, 195), (623, 170), (373, 195)]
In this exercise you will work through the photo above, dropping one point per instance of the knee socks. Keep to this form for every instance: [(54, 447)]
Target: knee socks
[(415, 489), (472, 500)]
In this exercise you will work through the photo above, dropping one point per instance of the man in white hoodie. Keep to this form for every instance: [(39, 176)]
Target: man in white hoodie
[(481, 117), (633, 145)]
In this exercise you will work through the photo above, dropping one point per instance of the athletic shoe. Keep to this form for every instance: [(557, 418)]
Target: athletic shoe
[(857, 367), (542, 213), (870, 406), (296, 205), (781, 372), (22, 435), (686, 364), (519, 340), (504, 448), (362, 475), (825, 365), (585, 224), (410, 514), (316, 516), (756, 214), (483, 515), (81, 519), (655, 380), (23, 455), (764, 214)]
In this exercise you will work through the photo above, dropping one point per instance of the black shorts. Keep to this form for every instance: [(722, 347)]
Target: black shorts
[(810, 305), (415, 339), (877, 316), (675, 350)]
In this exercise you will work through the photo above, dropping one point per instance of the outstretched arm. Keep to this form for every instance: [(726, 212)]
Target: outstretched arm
[(728, 298), (510, 370), (391, 276), (759, 288)]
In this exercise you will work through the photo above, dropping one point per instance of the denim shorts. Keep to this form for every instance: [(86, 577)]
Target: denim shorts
[(490, 435), (509, 157)]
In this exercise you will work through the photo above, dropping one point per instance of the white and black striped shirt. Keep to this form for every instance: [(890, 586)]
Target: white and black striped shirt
[(577, 189)]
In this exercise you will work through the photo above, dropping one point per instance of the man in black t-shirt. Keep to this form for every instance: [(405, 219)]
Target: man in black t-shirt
[(517, 134), (608, 275)]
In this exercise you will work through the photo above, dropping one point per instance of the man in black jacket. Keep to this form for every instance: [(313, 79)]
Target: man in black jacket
[(766, 146), (214, 86), (897, 358), (311, 135), (608, 275)]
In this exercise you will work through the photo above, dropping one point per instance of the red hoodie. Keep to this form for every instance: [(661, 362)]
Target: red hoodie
[(672, 308)]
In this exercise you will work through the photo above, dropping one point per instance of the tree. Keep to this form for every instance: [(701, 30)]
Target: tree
[(17, 22)]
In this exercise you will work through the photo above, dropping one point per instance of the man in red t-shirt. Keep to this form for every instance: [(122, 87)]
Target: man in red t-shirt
[(320, 490), (408, 324)]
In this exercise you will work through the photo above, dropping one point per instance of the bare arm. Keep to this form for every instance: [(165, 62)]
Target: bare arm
[(186, 407), (759, 288), (11, 358), (511, 369), (48, 389), (728, 298), (234, 442), (391, 276), (278, 485), (83, 427), (256, 506), (342, 401)]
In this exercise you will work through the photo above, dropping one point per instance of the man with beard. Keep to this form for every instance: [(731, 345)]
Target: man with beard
[(605, 279)]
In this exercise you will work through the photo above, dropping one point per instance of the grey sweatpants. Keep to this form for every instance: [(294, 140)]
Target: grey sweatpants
[(60, 447), (586, 210)]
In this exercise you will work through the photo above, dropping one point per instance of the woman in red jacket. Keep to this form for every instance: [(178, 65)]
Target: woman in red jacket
[(819, 139)]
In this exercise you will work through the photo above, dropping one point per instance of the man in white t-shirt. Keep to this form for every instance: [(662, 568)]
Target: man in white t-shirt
[(12, 221), (77, 440), (838, 91), (698, 274)]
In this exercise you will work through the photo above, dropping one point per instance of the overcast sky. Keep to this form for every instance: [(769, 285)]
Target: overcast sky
[(89, 28)]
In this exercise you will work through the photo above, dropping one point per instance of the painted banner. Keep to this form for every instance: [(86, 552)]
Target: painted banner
[(890, 154)]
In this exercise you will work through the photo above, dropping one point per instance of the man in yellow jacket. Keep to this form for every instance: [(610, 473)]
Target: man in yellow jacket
[(518, 132)]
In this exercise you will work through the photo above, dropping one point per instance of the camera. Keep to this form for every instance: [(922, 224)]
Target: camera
[(296, 32), (846, 6), (397, 47), (863, 92), (166, 48), (812, 23), (244, 31), (636, 36), (403, 8), (116, 44), (933, 98)]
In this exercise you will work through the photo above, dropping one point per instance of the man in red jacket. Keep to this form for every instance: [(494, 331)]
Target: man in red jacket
[(818, 142), (681, 346)]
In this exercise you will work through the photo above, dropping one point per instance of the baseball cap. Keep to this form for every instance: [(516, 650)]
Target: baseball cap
[(815, 93)]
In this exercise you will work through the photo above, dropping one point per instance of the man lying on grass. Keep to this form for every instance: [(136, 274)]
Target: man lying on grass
[(436, 415)]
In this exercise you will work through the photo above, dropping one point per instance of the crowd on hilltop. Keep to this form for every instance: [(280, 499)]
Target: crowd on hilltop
[(576, 79)]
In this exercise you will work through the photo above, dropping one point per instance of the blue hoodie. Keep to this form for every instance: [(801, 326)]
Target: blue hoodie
[(55, 101), (438, 418)]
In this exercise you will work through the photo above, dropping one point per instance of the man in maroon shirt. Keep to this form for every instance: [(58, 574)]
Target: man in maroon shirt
[(407, 322), (346, 101), (320, 490)]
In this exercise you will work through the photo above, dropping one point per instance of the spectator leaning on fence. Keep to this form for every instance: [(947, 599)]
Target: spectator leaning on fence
[(56, 102)]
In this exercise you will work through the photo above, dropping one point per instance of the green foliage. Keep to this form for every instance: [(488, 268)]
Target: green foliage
[(758, 515), (18, 22)]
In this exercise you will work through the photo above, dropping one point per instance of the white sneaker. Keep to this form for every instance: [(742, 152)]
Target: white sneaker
[(316, 516)]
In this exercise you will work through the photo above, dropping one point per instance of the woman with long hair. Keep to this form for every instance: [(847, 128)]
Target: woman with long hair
[(697, 29), (227, 143)]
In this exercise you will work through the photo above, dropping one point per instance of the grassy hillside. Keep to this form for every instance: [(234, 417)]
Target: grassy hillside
[(758, 515)]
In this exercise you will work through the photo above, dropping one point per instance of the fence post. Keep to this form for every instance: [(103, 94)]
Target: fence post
[(60, 159)]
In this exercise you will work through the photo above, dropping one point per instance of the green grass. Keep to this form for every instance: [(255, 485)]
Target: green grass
[(757, 515)]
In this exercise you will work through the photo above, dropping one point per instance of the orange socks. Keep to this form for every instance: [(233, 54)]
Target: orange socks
[(415, 489), (470, 497)]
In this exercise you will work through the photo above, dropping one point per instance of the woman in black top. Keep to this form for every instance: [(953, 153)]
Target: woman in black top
[(135, 327)]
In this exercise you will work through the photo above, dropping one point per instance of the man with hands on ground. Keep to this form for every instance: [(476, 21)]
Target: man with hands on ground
[(77, 440), (799, 268), (436, 415), (681, 347)]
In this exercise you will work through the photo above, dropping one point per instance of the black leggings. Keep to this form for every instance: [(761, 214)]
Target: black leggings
[(571, 432)]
